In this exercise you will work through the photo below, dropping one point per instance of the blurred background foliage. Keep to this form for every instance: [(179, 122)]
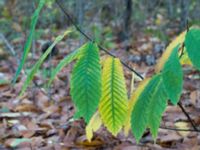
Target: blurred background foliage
[(108, 22)]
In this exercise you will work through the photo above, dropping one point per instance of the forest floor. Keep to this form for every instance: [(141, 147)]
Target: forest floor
[(42, 118)]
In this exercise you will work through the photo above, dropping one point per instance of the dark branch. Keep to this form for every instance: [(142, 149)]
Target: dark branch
[(187, 25), (90, 39), (188, 116)]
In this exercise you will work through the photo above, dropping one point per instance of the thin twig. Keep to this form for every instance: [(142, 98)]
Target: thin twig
[(127, 66), (182, 50), (187, 25), (177, 129), (90, 39), (188, 116)]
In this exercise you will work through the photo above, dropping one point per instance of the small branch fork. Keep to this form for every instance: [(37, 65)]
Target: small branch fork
[(195, 129)]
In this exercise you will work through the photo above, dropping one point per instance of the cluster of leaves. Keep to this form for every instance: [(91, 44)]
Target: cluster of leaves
[(99, 93)]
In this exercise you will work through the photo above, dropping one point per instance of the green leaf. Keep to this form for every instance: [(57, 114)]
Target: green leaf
[(68, 59), (148, 108), (94, 124), (18, 141), (157, 107), (113, 106), (173, 76), (131, 103), (192, 43), (165, 56), (40, 61), (86, 82), (27, 46)]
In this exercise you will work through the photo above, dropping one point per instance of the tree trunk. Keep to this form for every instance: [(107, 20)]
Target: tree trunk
[(170, 9), (127, 19), (80, 16), (184, 13)]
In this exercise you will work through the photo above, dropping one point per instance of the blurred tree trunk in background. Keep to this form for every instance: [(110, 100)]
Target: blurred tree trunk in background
[(170, 9), (126, 21), (80, 16), (184, 13), (116, 19), (79, 11), (10, 4)]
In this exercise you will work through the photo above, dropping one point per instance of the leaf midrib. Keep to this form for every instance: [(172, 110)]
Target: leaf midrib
[(112, 93)]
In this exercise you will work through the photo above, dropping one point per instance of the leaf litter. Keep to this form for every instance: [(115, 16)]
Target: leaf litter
[(40, 121)]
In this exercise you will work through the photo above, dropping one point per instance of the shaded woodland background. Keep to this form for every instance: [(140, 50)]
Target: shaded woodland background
[(110, 19), (137, 31)]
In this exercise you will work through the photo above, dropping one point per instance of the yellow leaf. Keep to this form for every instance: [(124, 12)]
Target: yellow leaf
[(159, 19), (93, 125), (178, 40), (113, 105), (182, 125), (185, 60), (132, 102)]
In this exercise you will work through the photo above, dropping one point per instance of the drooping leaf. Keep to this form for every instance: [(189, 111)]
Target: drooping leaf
[(172, 75), (192, 43), (65, 61), (178, 40), (93, 125), (131, 104), (157, 106), (27, 46), (148, 103), (40, 61), (113, 104), (86, 82)]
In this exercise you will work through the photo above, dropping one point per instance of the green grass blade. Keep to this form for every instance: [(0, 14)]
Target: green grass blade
[(69, 58), (40, 61), (27, 46)]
